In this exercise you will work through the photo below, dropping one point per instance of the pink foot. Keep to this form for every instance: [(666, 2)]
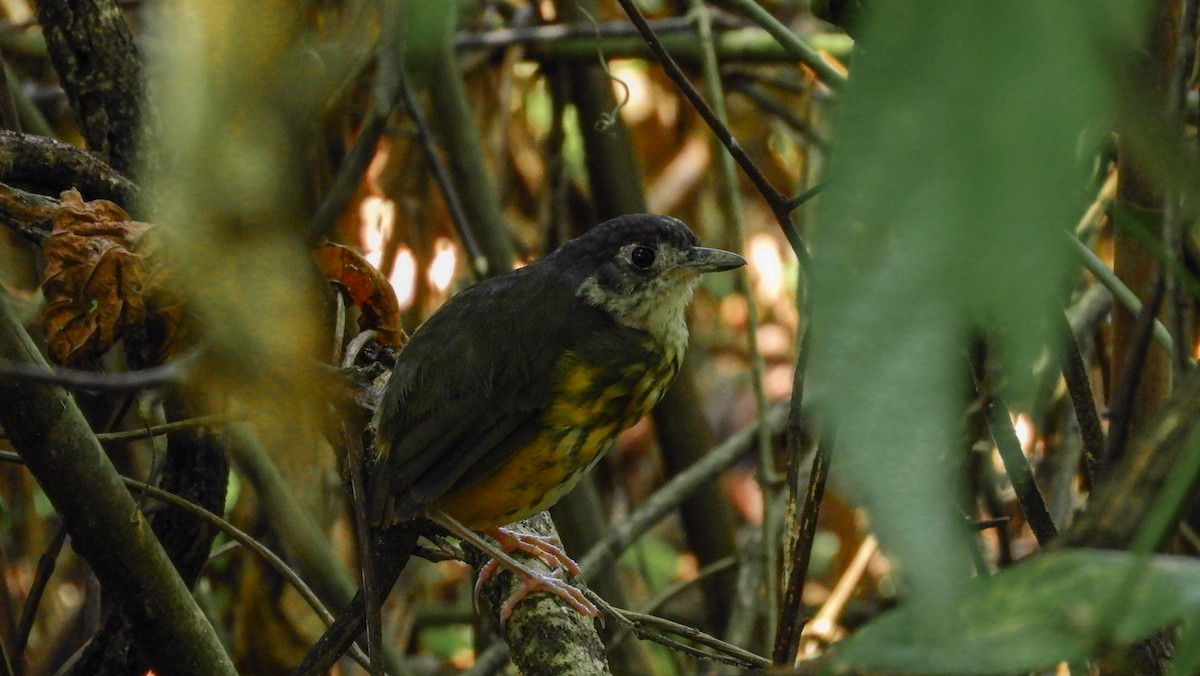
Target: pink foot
[(552, 554)]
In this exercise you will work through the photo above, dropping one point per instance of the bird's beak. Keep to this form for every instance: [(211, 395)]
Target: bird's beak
[(704, 259)]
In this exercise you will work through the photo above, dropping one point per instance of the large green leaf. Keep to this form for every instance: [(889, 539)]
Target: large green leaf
[(1054, 608), (962, 151)]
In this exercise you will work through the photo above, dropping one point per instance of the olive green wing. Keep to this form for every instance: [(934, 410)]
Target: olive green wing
[(470, 386)]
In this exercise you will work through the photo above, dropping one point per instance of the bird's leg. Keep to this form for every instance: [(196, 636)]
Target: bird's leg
[(531, 581)]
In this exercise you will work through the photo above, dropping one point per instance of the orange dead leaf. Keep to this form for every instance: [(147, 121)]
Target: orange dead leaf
[(94, 280), (368, 289)]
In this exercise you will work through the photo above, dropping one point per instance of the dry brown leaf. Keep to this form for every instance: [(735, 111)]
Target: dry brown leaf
[(95, 280), (368, 289)]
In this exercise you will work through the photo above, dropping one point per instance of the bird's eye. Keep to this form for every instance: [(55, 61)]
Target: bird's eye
[(642, 257)]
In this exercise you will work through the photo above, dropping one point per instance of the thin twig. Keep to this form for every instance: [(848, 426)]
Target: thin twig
[(530, 35), (339, 324), (129, 381), (357, 343), (159, 430), (793, 447), (45, 568), (641, 625), (1175, 229), (801, 199), (1123, 295), (791, 614), (769, 105), (792, 42), (730, 205), (668, 498), (477, 261), (350, 172), (358, 493), (1079, 386), (1099, 207), (1033, 506), (985, 524), (676, 589), (775, 200), (1120, 408), (821, 630)]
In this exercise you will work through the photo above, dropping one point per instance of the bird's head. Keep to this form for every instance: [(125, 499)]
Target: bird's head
[(641, 269)]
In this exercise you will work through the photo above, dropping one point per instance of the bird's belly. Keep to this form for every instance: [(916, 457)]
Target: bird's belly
[(578, 429), (534, 478)]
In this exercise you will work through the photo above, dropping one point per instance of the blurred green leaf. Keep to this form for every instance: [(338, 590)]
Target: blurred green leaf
[(655, 559), (426, 30), (446, 641), (1049, 609), (956, 168)]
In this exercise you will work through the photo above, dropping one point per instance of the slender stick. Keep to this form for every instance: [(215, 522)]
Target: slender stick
[(45, 568), (1120, 292), (775, 200), (1099, 207), (350, 173), (821, 629), (677, 589), (782, 112), (793, 451), (441, 175), (640, 623), (667, 498), (730, 204), (792, 42), (166, 428), (1033, 506), (799, 200), (791, 615), (130, 381), (358, 488), (1120, 408), (1176, 221), (1080, 388)]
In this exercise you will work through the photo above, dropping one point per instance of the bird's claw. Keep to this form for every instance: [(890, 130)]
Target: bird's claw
[(550, 552)]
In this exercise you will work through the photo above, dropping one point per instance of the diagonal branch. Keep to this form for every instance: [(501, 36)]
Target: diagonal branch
[(93, 51), (778, 203)]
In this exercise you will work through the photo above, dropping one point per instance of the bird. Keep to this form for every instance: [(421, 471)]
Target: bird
[(505, 397)]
